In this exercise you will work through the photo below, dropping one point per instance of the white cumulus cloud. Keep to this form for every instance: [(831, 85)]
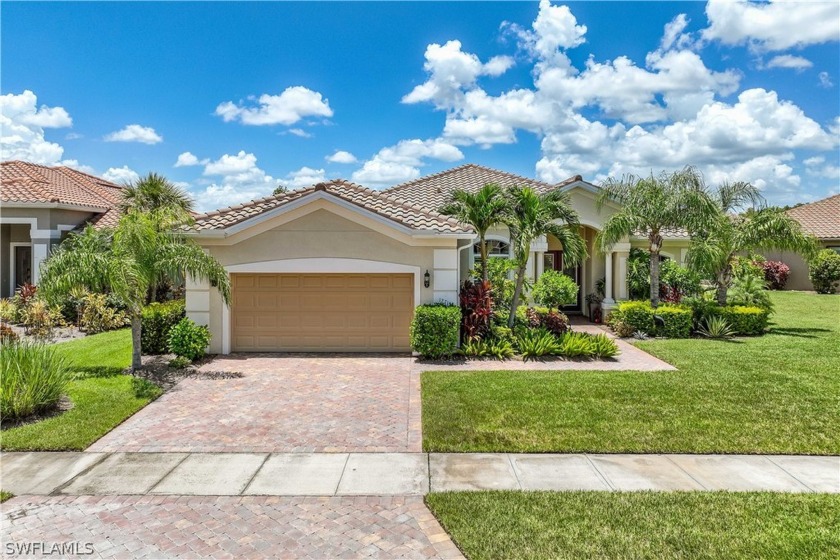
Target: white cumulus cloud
[(121, 175), (235, 178), (341, 156), (292, 105), (789, 61), (135, 133), (188, 159), (22, 124), (772, 26), (303, 177), (402, 161)]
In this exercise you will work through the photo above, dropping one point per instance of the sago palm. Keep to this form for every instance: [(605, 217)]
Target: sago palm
[(714, 246), (126, 262), (482, 210), (651, 206), (531, 215)]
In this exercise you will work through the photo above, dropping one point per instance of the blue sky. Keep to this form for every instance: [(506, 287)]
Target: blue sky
[(259, 94)]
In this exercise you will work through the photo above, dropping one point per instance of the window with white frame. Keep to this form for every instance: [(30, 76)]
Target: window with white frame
[(495, 248)]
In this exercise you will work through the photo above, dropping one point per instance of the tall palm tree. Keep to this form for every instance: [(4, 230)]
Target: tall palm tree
[(650, 206), (481, 210), (532, 215), (714, 246), (172, 207), (127, 261)]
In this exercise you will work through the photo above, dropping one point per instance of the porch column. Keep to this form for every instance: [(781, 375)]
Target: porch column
[(540, 256), (609, 303), (40, 249)]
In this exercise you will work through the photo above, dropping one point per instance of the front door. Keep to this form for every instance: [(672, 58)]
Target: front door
[(23, 266), (553, 260)]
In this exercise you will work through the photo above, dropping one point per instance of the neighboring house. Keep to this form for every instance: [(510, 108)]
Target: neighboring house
[(338, 267), (38, 206), (822, 220)]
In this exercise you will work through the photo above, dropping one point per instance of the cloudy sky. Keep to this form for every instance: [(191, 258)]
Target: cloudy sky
[(230, 100)]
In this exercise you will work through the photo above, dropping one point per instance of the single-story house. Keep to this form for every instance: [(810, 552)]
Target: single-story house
[(38, 206), (822, 220), (339, 267)]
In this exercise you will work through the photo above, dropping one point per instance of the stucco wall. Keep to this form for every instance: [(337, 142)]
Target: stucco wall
[(324, 235)]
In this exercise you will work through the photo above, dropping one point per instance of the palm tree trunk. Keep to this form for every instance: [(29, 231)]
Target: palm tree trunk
[(723, 280), (483, 249), (136, 323), (517, 293), (654, 278)]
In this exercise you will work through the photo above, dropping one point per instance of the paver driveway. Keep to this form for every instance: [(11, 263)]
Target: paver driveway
[(284, 403), (224, 527)]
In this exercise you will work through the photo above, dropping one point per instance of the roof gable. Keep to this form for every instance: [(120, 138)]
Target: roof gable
[(433, 191), (399, 213)]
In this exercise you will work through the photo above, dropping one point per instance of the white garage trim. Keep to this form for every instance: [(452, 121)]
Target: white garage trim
[(318, 266)]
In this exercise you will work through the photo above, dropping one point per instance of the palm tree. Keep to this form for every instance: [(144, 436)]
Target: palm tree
[(650, 206), (127, 261), (481, 210), (532, 215), (172, 206), (714, 246)]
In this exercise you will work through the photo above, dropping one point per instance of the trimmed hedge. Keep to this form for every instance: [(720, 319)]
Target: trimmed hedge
[(188, 340), (156, 322), (745, 320), (676, 320), (435, 330)]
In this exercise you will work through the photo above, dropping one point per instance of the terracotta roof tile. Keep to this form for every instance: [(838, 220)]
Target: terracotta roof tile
[(433, 191), (402, 212), (820, 218)]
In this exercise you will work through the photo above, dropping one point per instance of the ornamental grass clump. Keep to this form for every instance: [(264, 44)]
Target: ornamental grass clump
[(34, 377)]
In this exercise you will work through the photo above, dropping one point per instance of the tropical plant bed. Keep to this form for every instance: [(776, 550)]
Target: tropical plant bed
[(642, 525), (772, 394), (101, 397)]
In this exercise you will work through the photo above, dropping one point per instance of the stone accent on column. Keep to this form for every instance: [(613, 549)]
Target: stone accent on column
[(444, 284)]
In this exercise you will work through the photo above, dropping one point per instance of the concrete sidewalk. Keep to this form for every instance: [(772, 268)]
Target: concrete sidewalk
[(366, 474)]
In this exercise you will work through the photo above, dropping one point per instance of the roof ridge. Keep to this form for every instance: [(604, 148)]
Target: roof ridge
[(253, 202), (432, 176)]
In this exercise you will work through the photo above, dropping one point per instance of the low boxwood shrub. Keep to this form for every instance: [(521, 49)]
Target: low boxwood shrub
[(635, 315), (189, 340), (676, 321), (34, 378), (435, 330), (745, 320), (156, 321)]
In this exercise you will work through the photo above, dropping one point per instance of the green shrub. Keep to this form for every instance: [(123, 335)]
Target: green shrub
[(157, 320), (554, 290), (541, 318), (188, 339), (33, 380), (500, 349), (475, 348), (637, 315), (8, 311), (621, 329), (179, 362), (825, 271), (536, 343), (435, 330), (98, 316), (745, 320), (499, 272), (677, 321), (750, 291), (499, 332), (603, 346), (575, 345)]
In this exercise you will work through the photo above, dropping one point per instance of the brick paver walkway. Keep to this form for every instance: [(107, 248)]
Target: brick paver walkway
[(226, 527), (284, 403)]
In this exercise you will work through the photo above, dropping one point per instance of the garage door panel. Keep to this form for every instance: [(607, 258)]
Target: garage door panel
[(322, 312)]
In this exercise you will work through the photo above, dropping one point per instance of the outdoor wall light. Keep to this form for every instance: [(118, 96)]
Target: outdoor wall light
[(427, 279)]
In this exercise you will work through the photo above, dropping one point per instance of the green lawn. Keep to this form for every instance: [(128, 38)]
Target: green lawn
[(640, 525), (102, 397), (779, 393)]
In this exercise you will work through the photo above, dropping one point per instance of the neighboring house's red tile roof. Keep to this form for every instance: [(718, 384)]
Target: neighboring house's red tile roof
[(30, 183), (401, 212), (820, 218), (433, 191)]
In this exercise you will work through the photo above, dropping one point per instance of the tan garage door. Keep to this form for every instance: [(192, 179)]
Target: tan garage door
[(322, 312)]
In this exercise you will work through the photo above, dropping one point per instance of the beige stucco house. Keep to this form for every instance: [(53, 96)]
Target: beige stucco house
[(39, 205), (822, 220), (338, 267)]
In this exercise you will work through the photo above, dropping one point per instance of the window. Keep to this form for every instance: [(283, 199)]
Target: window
[(495, 248)]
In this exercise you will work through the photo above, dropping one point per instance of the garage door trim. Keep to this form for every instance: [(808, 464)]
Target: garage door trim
[(317, 266)]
